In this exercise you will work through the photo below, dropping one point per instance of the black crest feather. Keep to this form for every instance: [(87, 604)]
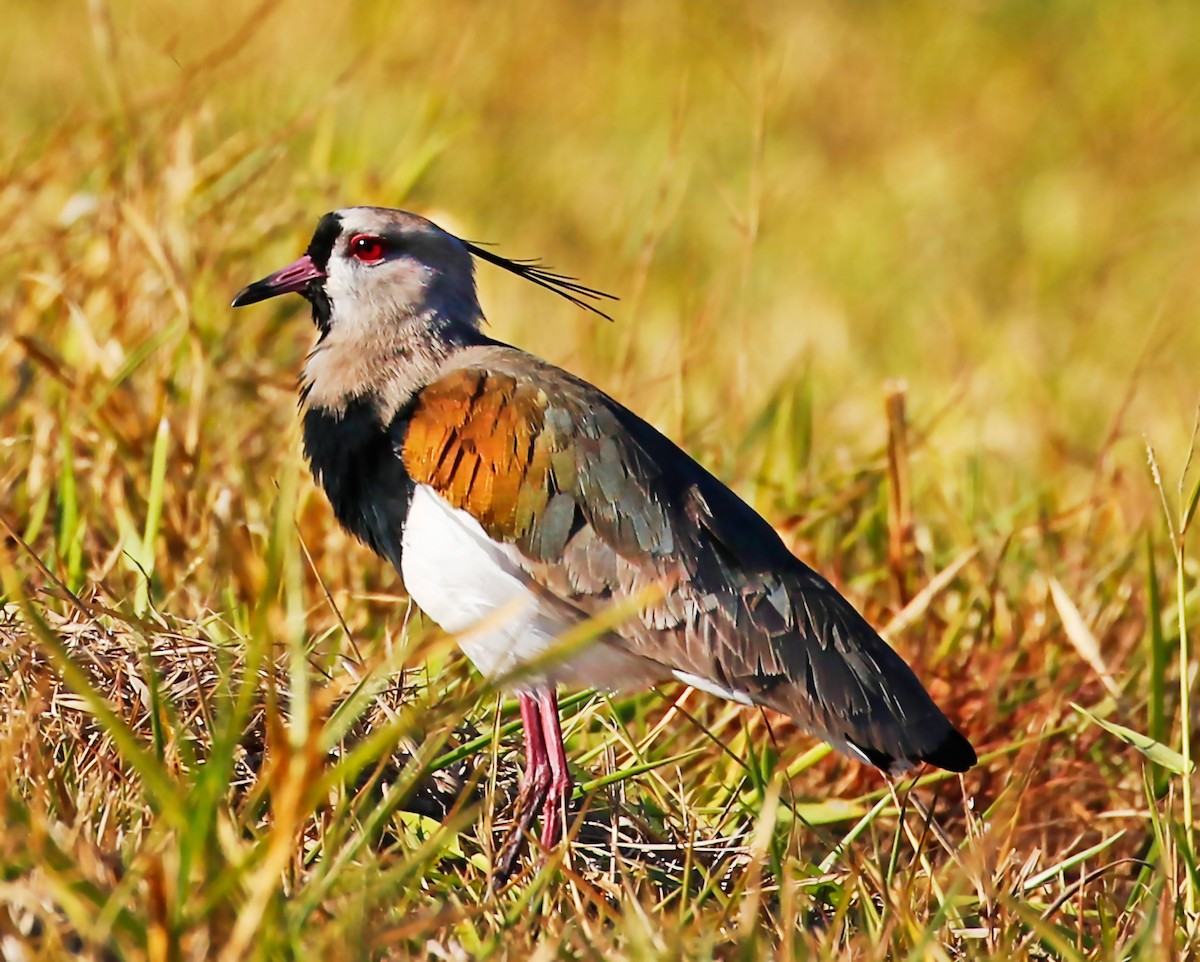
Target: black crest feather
[(535, 271)]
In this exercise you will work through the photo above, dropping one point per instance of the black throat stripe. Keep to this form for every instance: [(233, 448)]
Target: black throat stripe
[(353, 456)]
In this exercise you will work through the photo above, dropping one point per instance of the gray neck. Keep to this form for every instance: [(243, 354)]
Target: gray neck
[(385, 362)]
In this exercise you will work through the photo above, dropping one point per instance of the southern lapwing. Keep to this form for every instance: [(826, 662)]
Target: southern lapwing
[(517, 500)]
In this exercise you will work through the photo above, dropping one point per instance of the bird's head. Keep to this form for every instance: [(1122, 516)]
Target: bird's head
[(372, 265), (393, 296)]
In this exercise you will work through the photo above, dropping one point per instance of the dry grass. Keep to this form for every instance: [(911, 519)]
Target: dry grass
[(222, 732)]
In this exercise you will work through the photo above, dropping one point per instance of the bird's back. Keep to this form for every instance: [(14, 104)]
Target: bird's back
[(590, 505)]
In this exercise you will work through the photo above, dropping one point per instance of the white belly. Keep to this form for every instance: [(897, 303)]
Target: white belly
[(472, 587)]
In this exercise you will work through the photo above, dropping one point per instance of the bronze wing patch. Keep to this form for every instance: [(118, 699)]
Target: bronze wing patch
[(533, 471)]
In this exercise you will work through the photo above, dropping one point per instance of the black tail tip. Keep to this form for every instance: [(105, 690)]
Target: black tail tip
[(954, 754)]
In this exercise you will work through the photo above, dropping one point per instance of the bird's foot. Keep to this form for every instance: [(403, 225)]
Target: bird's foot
[(535, 789)]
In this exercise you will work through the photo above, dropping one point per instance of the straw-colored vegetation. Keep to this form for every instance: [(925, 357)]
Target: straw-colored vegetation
[(921, 280)]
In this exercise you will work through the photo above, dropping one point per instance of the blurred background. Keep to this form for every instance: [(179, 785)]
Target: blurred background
[(998, 203)]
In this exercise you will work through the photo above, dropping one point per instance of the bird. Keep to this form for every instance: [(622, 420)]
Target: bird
[(518, 501)]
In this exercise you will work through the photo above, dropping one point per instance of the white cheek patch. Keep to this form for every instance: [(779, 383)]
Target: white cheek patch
[(365, 296)]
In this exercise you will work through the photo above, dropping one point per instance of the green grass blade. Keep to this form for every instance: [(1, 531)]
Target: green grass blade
[(1158, 652), (154, 507), (70, 529), (1156, 751), (634, 770)]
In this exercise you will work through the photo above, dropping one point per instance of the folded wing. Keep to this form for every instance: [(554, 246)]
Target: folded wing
[(597, 505)]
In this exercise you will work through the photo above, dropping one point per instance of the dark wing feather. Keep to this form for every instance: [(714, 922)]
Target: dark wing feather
[(601, 505)]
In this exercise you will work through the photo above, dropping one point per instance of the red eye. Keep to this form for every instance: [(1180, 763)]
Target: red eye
[(367, 248)]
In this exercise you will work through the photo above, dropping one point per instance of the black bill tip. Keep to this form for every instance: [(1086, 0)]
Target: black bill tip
[(252, 294)]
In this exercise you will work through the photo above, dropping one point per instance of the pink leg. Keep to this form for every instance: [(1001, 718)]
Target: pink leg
[(535, 779), (554, 810), (536, 782)]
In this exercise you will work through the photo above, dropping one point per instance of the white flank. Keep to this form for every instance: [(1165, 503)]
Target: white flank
[(711, 687), (472, 587)]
